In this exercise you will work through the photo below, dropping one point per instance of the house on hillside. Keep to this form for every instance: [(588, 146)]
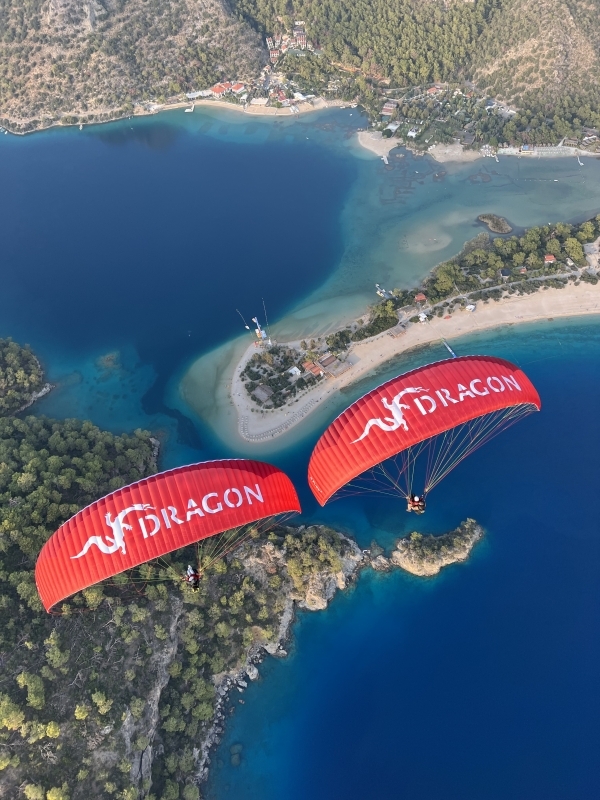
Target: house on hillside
[(549, 259), (420, 298)]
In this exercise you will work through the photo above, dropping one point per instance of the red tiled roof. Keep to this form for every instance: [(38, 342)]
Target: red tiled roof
[(419, 298), (549, 259)]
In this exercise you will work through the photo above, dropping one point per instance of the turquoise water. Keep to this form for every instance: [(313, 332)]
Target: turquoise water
[(142, 238)]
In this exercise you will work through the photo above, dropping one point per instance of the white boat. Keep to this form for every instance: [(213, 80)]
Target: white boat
[(189, 110)]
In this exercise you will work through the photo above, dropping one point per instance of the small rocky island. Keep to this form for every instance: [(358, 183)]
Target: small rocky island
[(426, 555), (495, 224)]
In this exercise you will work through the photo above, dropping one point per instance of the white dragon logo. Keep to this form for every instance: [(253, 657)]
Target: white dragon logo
[(118, 527), (396, 420)]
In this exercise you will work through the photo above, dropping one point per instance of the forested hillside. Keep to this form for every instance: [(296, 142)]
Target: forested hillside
[(72, 60), (540, 55), (543, 54), (94, 60), (407, 41)]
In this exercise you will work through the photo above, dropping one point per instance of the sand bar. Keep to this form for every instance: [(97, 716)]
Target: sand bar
[(261, 426), (374, 142)]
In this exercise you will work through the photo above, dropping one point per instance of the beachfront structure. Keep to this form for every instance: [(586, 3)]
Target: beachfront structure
[(314, 369), (220, 89), (263, 393), (238, 88)]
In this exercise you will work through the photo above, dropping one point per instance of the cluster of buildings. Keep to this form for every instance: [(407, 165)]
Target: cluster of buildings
[(280, 44), (327, 366), (219, 90)]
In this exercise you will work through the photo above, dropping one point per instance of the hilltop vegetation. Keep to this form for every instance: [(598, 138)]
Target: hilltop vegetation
[(543, 55)]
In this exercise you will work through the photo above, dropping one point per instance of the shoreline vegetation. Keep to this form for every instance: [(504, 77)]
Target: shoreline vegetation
[(549, 272), (21, 378), (125, 690)]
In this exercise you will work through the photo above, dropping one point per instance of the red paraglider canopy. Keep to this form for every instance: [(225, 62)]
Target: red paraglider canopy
[(412, 408), (155, 516)]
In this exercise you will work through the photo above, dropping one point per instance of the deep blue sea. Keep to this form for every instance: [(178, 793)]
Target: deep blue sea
[(142, 238)]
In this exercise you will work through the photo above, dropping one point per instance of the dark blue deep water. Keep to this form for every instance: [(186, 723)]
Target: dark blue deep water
[(150, 235), (479, 684)]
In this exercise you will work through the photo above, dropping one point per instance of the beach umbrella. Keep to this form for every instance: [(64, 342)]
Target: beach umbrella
[(419, 426), (223, 502)]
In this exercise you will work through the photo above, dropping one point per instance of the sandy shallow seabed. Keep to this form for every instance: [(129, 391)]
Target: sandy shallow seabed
[(232, 406)]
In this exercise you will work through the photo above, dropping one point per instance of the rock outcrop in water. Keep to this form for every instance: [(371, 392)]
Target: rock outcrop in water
[(425, 555)]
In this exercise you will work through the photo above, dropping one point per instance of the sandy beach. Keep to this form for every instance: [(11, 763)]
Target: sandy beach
[(318, 104), (375, 143), (259, 426), (446, 153)]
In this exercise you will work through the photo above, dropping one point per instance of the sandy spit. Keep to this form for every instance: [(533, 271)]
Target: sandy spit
[(254, 426)]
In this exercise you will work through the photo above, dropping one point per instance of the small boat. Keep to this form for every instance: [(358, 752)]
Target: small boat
[(80, 126), (189, 110)]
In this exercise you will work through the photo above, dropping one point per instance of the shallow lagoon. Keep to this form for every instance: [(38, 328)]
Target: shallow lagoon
[(142, 238)]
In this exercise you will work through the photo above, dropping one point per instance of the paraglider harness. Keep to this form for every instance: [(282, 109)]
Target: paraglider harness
[(192, 578), (416, 503)]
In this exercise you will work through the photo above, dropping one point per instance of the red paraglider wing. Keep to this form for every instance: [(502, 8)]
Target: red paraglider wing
[(410, 409), (156, 516)]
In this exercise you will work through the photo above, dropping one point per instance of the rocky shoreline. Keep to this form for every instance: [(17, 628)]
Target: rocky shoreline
[(320, 590), (426, 555), (46, 388), (422, 555)]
